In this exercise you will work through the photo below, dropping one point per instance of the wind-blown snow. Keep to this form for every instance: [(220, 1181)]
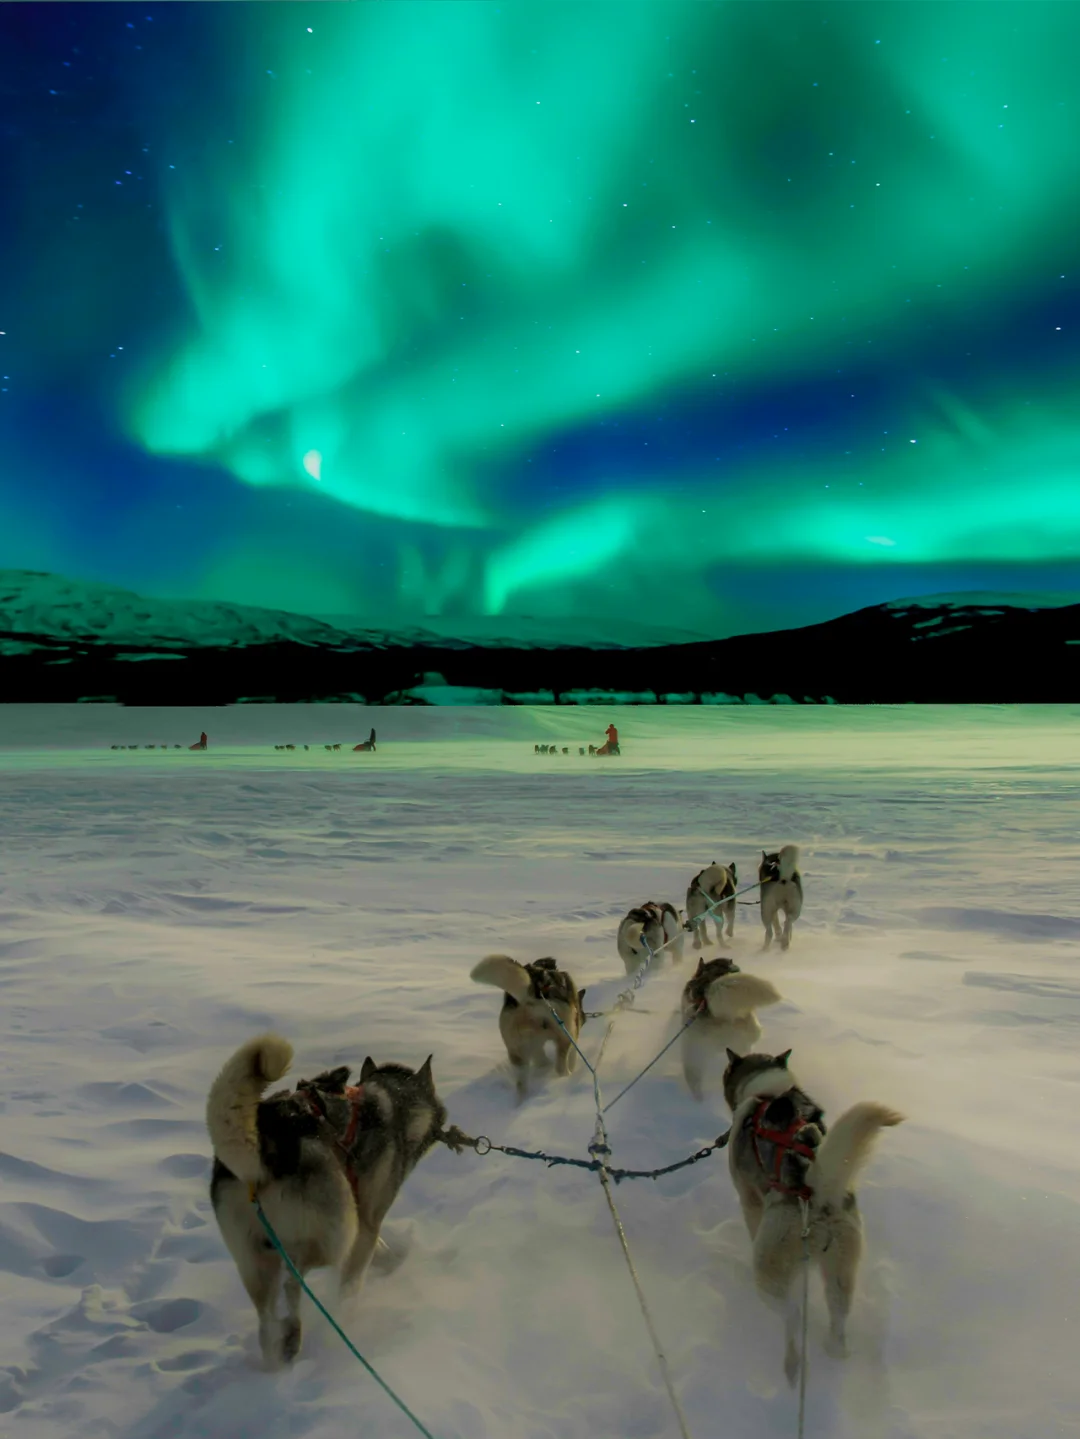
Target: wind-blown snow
[(158, 908)]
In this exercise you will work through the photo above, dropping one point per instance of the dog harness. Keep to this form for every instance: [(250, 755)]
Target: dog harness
[(353, 1094), (783, 1142)]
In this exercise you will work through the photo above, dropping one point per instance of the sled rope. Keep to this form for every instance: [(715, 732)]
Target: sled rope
[(714, 905), (651, 1062), (455, 1139), (805, 1207), (600, 1153), (276, 1242)]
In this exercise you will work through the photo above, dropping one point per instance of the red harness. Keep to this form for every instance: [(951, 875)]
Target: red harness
[(354, 1093), (783, 1141)]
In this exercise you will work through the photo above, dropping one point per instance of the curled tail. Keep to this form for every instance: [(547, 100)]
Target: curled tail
[(789, 860), (505, 974), (233, 1102), (734, 995), (846, 1149), (632, 935)]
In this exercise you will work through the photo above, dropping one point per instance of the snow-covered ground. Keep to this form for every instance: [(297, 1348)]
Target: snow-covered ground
[(157, 909)]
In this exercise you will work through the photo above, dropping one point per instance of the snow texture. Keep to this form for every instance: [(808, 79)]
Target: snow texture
[(157, 909)]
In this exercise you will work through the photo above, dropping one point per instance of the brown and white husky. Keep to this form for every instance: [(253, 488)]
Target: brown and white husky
[(526, 1022)]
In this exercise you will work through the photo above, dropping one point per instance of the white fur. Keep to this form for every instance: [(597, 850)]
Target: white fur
[(767, 1084), (232, 1104), (789, 860), (782, 897), (734, 995), (847, 1147), (505, 974)]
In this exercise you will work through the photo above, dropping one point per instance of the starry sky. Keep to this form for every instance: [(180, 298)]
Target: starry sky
[(717, 316)]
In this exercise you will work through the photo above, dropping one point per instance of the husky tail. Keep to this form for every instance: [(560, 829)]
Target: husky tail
[(734, 995), (504, 973), (789, 860), (846, 1148), (232, 1106)]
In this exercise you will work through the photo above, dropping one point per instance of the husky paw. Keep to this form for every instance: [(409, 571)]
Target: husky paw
[(291, 1335)]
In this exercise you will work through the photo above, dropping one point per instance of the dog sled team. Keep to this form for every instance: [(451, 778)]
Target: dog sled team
[(327, 1159), (611, 745)]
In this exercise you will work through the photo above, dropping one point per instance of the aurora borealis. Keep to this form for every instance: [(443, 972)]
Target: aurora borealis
[(720, 316)]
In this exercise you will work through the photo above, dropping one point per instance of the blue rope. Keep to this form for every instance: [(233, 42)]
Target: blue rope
[(276, 1242), (651, 1062), (714, 905)]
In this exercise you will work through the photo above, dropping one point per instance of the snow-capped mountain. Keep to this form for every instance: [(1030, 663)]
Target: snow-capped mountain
[(50, 607), (62, 641)]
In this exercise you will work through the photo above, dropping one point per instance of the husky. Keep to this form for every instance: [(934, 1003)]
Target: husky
[(647, 928), (325, 1161), (781, 1157), (724, 1001), (715, 886), (531, 992), (781, 892)]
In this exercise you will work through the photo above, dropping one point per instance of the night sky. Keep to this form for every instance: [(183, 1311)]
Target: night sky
[(714, 316)]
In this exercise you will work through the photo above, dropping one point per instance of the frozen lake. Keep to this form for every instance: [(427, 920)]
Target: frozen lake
[(158, 908)]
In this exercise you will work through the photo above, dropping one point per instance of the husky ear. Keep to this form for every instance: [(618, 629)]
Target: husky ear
[(367, 1069), (581, 996), (781, 1059), (733, 1057), (424, 1076), (700, 971)]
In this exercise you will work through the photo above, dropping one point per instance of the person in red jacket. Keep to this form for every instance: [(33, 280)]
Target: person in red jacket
[(612, 746), (201, 744)]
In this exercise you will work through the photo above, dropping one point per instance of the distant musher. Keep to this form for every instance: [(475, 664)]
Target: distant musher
[(612, 746), (369, 743), (201, 744)]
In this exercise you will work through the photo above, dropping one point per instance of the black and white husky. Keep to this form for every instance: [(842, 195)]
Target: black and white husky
[(724, 1001), (326, 1161), (781, 893), (712, 895), (647, 928), (781, 1156)]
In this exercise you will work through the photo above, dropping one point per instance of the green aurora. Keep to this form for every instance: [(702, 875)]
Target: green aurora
[(428, 247)]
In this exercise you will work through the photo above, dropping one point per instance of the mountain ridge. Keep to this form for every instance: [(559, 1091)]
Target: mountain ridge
[(62, 641)]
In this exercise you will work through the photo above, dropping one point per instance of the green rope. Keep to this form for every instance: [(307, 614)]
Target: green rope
[(276, 1242)]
